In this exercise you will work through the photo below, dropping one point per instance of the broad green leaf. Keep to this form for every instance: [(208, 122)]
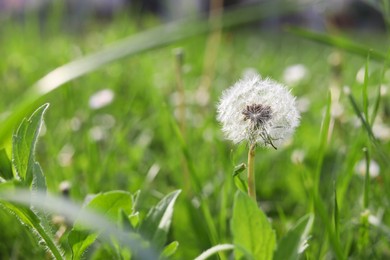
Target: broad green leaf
[(293, 244), (125, 222), (5, 165), (156, 225), (39, 180), (110, 205), (170, 249), (23, 145), (253, 235)]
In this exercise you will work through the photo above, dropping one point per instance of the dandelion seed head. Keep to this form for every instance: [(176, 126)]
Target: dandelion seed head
[(260, 111)]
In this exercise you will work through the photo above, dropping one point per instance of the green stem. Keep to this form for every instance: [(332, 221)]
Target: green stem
[(251, 172)]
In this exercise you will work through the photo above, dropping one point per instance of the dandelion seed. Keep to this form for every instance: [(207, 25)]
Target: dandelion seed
[(260, 111)]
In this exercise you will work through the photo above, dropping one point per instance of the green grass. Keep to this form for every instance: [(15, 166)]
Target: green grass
[(144, 137)]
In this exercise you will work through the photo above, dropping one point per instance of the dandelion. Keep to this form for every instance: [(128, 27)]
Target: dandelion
[(259, 111)]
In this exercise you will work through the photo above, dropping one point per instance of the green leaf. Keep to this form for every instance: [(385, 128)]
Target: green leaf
[(156, 225), (339, 42), (28, 218), (110, 205), (253, 235), (365, 91), (292, 245), (5, 165), (39, 180), (170, 249), (24, 141)]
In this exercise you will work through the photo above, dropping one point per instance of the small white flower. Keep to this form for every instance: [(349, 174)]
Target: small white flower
[(374, 169), (294, 74), (101, 99), (260, 111)]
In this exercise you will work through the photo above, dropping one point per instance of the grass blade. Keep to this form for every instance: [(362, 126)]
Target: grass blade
[(367, 179), (339, 42), (365, 93), (215, 249), (155, 226), (293, 244)]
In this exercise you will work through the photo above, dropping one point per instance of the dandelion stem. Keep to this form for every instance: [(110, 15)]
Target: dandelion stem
[(251, 172)]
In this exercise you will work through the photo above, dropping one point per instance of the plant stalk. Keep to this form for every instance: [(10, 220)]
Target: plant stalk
[(251, 172)]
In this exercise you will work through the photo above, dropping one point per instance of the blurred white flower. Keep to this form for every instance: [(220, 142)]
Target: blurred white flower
[(298, 156), (303, 104), (374, 169), (292, 75), (381, 131), (97, 133), (360, 75), (260, 111), (101, 99), (337, 110), (65, 156)]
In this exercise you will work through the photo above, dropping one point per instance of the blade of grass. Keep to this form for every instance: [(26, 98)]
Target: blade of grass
[(323, 143), (336, 215), (339, 42), (333, 238), (366, 179), (195, 182), (356, 108), (215, 249), (377, 100), (319, 205), (364, 91), (366, 125)]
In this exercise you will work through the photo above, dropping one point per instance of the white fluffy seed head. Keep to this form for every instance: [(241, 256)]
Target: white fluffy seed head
[(276, 118)]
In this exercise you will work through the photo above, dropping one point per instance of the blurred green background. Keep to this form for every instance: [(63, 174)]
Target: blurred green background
[(112, 128)]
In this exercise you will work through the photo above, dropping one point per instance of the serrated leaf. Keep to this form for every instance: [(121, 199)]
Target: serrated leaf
[(253, 235), (293, 244), (110, 205), (5, 165), (39, 180), (158, 220), (27, 217), (24, 141)]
